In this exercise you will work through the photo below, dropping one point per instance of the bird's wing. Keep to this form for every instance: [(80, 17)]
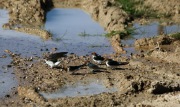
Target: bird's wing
[(115, 63), (94, 66), (57, 55), (57, 63), (49, 62), (98, 57)]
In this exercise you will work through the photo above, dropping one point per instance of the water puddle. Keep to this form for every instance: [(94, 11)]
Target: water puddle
[(8, 81), (149, 30), (79, 89)]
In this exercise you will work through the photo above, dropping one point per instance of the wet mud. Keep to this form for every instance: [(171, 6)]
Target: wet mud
[(147, 78)]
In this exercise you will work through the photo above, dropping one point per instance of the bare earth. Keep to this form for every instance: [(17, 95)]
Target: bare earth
[(148, 79), (143, 80)]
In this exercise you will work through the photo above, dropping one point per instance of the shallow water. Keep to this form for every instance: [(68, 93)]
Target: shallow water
[(79, 89), (66, 35), (8, 81), (149, 30), (68, 24)]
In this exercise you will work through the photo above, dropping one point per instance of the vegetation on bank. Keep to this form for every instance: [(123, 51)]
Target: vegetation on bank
[(136, 9), (176, 36), (122, 34)]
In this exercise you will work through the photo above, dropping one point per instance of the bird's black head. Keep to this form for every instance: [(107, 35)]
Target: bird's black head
[(93, 53)]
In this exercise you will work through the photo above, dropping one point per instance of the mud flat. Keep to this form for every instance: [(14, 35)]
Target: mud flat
[(148, 78), (145, 77)]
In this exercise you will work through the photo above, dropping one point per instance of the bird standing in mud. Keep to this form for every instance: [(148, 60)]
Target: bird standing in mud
[(55, 56), (94, 68), (52, 59), (52, 64), (97, 58), (112, 64), (73, 69)]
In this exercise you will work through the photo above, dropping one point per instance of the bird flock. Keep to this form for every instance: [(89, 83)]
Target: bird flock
[(52, 61)]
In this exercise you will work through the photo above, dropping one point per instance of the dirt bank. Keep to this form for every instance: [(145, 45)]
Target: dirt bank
[(165, 8), (27, 13)]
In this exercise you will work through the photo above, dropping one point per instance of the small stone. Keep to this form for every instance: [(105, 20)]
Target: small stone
[(3, 56), (7, 51), (7, 96)]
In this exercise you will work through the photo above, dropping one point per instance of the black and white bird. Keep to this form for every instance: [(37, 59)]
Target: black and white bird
[(73, 69), (97, 58), (112, 64), (52, 59), (55, 56), (94, 68), (52, 64)]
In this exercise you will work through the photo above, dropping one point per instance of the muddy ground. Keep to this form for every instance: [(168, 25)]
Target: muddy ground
[(148, 79), (143, 80)]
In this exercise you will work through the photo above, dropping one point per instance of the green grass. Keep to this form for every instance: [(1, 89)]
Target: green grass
[(122, 34), (84, 34), (130, 6), (176, 36), (58, 38)]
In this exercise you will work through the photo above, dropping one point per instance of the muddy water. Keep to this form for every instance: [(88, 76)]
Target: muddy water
[(66, 25), (79, 89), (149, 30)]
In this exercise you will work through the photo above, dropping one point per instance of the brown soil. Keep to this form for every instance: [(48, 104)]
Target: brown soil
[(149, 79), (143, 80)]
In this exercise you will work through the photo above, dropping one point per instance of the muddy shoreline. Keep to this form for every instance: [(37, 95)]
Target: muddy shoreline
[(147, 79), (144, 76)]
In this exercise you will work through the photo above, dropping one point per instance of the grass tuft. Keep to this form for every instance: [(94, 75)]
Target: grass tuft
[(84, 34), (176, 36), (122, 34), (135, 8)]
